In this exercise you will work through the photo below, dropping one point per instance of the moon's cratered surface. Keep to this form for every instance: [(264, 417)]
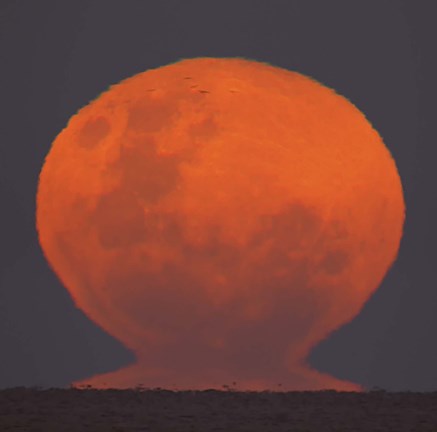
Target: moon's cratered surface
[(220, 217)]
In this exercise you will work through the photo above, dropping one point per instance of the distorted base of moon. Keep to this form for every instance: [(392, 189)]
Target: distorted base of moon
[(299, 379), (220, 217)]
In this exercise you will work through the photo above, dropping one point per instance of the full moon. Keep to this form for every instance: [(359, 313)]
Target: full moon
[(220, 217)]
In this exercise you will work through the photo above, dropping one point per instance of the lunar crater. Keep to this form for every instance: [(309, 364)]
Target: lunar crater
[(93, 132)]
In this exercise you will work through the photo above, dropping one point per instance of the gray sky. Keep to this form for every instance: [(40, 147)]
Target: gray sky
[(57, 56)]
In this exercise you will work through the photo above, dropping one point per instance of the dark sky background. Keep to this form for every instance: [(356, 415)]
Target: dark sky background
[(56, 56)]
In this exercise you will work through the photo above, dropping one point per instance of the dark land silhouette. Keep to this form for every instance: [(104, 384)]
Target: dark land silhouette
[(159, 410)]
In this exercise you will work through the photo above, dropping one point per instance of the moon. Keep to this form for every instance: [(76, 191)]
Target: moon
[(220, 217)]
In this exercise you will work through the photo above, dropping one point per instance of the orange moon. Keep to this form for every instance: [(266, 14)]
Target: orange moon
[(220, 217)]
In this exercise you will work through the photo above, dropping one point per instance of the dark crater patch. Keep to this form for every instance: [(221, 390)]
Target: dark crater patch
[(205, 129), (335, 261), (93, 132), (149, 115), (291, 229), (120, 220), (146, 177)]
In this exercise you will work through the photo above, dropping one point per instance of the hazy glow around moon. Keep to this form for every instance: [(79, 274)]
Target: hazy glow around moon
[(220, 217)]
